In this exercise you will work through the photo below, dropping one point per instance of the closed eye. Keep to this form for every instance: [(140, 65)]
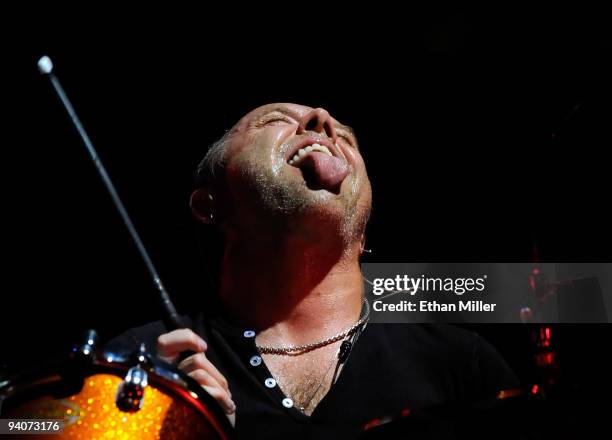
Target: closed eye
[(347, 138), (274, 119)]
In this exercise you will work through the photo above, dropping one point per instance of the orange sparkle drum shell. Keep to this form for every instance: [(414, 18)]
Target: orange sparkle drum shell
[(173, 405)]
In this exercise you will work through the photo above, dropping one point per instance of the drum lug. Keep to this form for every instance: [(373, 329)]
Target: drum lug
[(142, 357), (130, 392), (85, 349)]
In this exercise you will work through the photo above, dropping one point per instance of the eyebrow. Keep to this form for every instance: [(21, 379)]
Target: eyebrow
[(294, 115), (346, 128), (282, 110)]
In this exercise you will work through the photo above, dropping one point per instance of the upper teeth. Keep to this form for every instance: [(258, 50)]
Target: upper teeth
[(301, 154)]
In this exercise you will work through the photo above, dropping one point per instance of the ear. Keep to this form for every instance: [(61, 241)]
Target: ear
[(202, 204)]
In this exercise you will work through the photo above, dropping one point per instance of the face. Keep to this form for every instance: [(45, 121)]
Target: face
[(297, 169)]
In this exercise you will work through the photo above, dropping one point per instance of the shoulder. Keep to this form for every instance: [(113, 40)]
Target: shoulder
[(441, 338), (450, 351)]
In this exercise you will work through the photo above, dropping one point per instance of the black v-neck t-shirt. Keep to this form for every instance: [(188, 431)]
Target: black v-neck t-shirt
[(391, 368)]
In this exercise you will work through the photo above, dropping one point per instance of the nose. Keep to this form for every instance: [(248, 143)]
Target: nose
[(320, 121)]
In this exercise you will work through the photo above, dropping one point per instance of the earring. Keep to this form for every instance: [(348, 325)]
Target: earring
[(211, 215)]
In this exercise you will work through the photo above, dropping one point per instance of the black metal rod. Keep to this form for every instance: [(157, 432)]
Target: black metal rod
[(171, 317)]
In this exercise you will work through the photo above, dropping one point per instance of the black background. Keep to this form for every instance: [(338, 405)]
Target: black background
[(485, 133)]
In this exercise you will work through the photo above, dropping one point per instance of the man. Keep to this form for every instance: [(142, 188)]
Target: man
[(288, 350)]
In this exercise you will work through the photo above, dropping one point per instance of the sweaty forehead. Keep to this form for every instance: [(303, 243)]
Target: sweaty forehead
[(283, 107), (294, 110)]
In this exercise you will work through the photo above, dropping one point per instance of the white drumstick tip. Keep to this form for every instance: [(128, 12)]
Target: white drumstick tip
[(45, 65)]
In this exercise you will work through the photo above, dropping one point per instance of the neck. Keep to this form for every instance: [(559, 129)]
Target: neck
[(292, 290)]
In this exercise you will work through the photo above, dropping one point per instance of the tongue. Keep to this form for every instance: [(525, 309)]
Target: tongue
[(324, 171)]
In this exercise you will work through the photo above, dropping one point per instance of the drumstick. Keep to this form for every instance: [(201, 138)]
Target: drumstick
[(171, 317)]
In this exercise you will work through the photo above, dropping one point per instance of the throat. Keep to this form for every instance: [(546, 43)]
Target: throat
[(304, 291)]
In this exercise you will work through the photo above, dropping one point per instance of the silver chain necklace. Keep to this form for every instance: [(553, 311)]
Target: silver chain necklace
[(294, 349)]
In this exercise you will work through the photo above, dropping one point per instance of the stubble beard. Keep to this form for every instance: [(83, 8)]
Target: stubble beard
[(289, 206)]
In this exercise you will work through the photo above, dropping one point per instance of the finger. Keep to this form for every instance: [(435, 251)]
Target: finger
[(203, 377), (222, 399), (170, 345), (200, 361), (206, 380)]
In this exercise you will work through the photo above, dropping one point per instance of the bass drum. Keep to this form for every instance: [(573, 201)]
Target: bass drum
[(107, 396)]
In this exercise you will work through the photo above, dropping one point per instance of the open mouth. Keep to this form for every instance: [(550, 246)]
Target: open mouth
[(321, 165), (303, 152)]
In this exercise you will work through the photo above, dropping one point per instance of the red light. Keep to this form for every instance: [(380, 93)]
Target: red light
[(536, 271), (545, 359), (371, 424), (545, 335), (535, 389), (405, 412)]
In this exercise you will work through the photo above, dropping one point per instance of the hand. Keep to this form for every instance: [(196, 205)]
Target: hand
[(169, 347)]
